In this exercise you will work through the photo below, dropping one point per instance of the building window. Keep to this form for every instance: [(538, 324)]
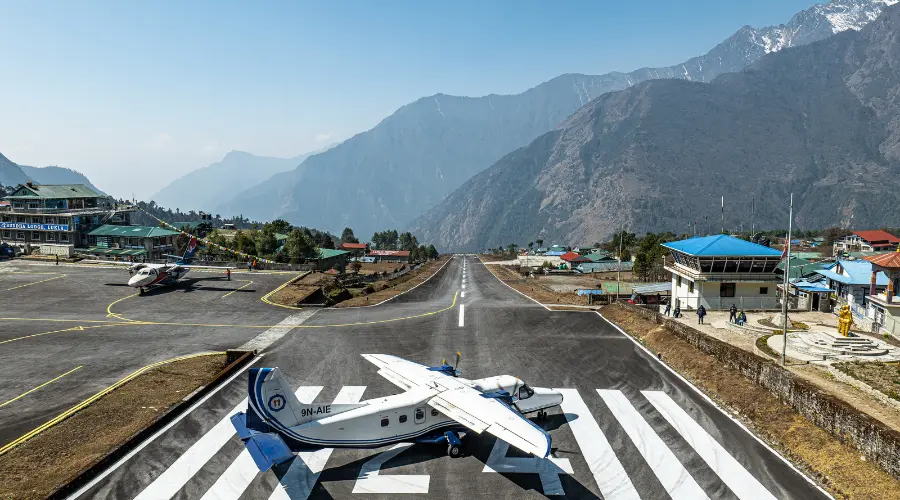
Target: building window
[(764, 290), (20, 235), (726, 290), (678, 282), (690, 287), (51, 236), (402, 419), (36, 236), (64, 237), (385, 422), (6, 234)]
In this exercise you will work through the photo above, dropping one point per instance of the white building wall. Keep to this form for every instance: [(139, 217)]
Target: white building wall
[(747, 295)]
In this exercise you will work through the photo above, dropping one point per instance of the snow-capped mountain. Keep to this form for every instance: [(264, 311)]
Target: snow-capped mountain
[(749, 44)]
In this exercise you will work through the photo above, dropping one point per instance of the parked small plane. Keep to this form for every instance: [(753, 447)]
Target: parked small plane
[(436, 406), (144, 275)]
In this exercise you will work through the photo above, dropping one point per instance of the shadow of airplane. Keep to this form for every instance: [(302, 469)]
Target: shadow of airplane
[(187, 285), (477, 446)]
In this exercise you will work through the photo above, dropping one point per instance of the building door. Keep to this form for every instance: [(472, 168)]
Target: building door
[(815, 302), (419, 416)]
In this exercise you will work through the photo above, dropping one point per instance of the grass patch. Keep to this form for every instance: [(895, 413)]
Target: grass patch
[(48, 461), (883, 377), (762, 343), (833, 464)]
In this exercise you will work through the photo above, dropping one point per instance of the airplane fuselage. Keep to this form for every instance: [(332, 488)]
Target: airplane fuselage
[(149, 275)]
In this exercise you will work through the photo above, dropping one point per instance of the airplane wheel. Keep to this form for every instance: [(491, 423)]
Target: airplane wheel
[(454, 451), (140, 291)]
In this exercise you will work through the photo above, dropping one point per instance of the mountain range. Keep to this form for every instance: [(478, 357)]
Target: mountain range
[(413, 159), (205, 188), (12, 174), (821, 121)]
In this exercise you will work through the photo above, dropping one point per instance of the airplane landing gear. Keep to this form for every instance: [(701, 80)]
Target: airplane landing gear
[(542, 415), (141, 291), (454, 445)]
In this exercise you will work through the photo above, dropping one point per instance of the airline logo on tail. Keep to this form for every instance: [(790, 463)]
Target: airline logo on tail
[(191, 248)]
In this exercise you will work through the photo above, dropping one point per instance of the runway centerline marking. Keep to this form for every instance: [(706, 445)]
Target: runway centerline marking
[(462, 295), (249, 282), (36, 282), (462, 315), (38, 387)]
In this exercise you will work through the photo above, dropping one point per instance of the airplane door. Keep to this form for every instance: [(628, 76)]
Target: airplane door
[(419, 415)]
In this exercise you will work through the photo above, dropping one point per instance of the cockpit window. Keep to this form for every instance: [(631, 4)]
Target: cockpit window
[(525, 392)]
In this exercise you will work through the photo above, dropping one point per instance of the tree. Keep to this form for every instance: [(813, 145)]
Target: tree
[(299, 245), (431, 252), (266, 243), (530, 246), (356, 265), (512, 249), (422, 253), (407, 241), (281, 226), (324, 241), (347, 236), (540, 242)]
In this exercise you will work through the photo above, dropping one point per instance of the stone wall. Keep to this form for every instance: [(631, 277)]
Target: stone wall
[(877, 442)]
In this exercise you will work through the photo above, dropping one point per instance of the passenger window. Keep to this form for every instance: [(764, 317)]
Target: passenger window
[(402, 419), (384, 422), (420, 414), (434, 412)]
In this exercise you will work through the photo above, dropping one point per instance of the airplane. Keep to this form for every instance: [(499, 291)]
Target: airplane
[(436, 407), (144, 275)]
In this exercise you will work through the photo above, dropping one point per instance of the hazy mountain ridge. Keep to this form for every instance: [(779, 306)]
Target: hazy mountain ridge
[(410, 161), (208, 187), (12, 174), (821, 121)]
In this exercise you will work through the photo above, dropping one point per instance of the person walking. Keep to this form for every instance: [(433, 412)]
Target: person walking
[(668, 308), (57, 259), (701, 312), (228, 273), (732, 314), (249, 266)]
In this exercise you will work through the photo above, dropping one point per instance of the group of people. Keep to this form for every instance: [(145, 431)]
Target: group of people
[(734, 315), (252, 264)]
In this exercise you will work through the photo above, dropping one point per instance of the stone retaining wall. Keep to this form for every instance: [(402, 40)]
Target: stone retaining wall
[(877, 442)]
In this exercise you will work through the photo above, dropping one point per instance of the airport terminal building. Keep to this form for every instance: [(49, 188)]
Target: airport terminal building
[(56, 218)]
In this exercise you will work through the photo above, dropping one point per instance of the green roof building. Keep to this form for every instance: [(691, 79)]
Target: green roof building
[(56, 218), (134, 241)]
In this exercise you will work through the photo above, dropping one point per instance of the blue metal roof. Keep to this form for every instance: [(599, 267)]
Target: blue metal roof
[(811, 286), (721, 245), (859, 273), (554, 254)]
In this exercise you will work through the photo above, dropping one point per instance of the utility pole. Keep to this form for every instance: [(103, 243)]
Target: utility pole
[(752, 217), (619, 267), (787, 272), (723, 214)]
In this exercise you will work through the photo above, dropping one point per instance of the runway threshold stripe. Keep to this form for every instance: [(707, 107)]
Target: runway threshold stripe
[(732, 473), (242, 471), (668, 469), (611, 478), (303, 473)]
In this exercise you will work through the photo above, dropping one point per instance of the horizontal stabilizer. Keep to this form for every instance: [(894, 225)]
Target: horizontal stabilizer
[(266, 449)]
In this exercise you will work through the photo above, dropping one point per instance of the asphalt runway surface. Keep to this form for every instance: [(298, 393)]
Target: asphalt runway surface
[(628, 428), (79, 329)]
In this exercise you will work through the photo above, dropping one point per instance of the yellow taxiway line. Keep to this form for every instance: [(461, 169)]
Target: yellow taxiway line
[(110, 314), (38, 387), (36, 282), (78, 328), (265, 298), (71, 411), (249, 282)]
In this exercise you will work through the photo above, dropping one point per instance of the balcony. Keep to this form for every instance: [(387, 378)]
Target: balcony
[(67, 211), (729, 277), (881, 300)]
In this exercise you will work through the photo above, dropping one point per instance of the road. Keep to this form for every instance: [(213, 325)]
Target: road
[(70, 331), (629, 428)]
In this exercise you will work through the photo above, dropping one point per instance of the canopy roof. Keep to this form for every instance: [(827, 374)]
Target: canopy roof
[(721, 245), (132, 231)]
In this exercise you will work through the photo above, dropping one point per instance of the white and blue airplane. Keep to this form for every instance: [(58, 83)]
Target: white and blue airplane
[(436, 407)]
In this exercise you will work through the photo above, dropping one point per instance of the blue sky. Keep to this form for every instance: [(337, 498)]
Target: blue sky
[(134, 94)]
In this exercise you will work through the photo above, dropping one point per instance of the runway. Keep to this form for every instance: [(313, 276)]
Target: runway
[(69, 331), (628, 428)]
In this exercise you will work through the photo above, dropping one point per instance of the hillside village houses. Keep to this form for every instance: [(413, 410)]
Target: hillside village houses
[(866, 241)]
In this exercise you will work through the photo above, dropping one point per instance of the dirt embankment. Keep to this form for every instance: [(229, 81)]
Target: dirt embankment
[(380, 291), (836, 466), (49, 460)]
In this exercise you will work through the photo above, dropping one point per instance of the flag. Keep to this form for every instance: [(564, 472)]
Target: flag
[(787, 244)]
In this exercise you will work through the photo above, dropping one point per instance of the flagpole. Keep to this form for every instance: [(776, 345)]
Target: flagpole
[(723, 214), (787, 274)]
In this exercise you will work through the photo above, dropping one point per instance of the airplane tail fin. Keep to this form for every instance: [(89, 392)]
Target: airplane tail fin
[(272, 404), (191, 249)]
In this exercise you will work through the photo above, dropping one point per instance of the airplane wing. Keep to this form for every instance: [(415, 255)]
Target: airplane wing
[(192, 266), (113, 262), (474, 410), (464, 404)]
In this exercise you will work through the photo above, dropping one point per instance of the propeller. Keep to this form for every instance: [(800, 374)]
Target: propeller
[(458, 356)]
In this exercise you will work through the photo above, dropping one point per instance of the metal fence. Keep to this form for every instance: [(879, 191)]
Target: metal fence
[(724, 303)]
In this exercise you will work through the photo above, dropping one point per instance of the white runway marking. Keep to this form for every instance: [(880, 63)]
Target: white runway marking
[(548, 469), (671, 473), (463, 286), (303, 473), (238, 476), (462, 295), (268, 337), (462, 315), (611, 478), (370, 481), (732, 473)]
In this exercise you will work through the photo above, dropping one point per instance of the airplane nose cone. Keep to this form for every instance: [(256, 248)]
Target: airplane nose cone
[(135, 281)]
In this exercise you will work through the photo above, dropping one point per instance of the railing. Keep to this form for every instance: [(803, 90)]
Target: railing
[(70, 211), (724, 303)]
